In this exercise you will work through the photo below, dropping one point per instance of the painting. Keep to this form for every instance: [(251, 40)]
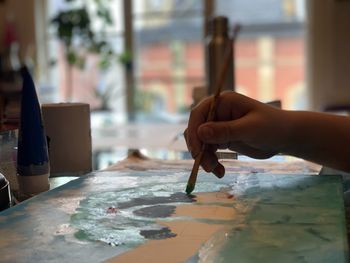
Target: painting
[(145, 216)]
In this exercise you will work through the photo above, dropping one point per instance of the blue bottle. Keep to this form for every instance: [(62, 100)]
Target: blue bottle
[(32, 157)]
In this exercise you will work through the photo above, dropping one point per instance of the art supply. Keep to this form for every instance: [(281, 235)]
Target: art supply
[(220, 81), (32, 155), (70, 145), (215, 47)]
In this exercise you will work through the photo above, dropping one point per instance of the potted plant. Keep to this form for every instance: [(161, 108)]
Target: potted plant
[(73, 28)]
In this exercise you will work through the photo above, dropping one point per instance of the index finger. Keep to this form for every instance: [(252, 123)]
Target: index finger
[(198, 116)]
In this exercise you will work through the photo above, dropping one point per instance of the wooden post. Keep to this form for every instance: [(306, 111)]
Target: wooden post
[(208, 12), (129, 70)]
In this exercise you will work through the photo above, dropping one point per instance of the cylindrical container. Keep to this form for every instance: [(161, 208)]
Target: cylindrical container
[(67, 126), (216, 47)]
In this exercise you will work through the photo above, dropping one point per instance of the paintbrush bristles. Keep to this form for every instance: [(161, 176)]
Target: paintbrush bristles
[(223, 71), (193, 177)]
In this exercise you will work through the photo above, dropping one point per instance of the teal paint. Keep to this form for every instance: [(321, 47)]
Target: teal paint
[(279, 218)]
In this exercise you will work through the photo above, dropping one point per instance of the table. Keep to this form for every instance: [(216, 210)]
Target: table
[(136, 211), (112, 143)]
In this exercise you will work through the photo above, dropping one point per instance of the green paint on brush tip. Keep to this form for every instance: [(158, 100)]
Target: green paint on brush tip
[(189, 188)]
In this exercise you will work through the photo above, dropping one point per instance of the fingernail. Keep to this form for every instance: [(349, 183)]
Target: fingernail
[(206, 133), (219, 171)]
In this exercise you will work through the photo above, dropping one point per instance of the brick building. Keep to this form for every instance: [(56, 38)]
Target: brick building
[(269, 56)]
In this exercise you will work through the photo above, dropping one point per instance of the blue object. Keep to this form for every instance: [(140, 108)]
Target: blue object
[(32, 144)]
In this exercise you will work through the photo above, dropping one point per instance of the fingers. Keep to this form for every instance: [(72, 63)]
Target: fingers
[(252, 152), (197, 117), (209, 161), (231, 135), (223, 132), (211, 164), (231, 106), (233, 123), (219, 171)]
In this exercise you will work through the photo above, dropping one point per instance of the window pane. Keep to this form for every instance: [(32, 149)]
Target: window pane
[(269, 51), (98, 80), (169, 55)]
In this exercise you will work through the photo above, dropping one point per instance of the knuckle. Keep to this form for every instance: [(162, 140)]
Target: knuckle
[(194, 112), (200, 107), (193, 154), (185, 134)]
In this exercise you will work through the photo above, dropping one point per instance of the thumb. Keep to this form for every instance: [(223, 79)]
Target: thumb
[(220, 132)]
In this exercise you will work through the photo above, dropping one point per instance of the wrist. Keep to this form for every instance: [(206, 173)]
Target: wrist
[(289, 132)]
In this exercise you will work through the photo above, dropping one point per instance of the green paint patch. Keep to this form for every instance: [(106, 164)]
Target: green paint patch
[(137, 212), (81, 235)]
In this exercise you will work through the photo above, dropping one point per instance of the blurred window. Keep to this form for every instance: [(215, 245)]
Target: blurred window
[(168, 58), (169, 55), (270, 49), (99, 78)]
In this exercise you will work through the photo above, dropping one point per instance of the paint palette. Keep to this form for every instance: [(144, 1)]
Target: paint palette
[(144, 216)]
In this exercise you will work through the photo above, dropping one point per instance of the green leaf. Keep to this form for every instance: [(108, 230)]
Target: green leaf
[(125, 57), (74, 26), (81, 62), (71, 57)]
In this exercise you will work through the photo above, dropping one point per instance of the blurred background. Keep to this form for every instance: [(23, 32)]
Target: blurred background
[(138, 61)]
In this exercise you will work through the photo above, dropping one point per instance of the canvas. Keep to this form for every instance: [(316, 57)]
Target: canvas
[(145, 216)]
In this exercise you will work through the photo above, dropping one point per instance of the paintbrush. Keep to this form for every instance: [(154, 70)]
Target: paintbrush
[(191, 183)]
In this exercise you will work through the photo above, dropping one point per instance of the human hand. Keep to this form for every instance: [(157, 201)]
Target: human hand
[(241, 124)]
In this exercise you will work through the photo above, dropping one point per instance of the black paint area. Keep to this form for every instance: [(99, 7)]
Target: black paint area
[(157, 234), (155, 200), (156, 211), (317, 234)]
